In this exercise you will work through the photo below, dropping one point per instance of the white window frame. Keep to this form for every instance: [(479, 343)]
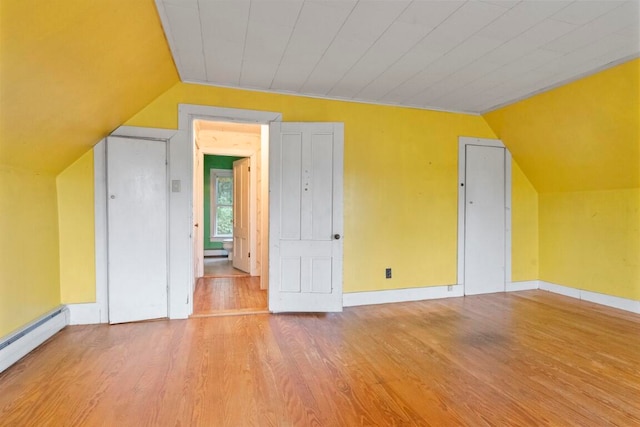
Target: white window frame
[(214, 174)]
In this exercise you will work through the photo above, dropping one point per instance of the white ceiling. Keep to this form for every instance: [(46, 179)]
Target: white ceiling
[(470, 56)]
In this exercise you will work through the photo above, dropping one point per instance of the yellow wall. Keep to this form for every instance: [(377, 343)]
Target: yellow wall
[(76, 226), (29, 276), (579, 146), (583, 136), (591, 240), (400, 179), (72, 71), (524, 226)]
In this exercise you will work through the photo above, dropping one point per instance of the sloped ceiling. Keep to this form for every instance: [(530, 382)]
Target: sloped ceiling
[(456, 55), (71, 71), (583, 136)]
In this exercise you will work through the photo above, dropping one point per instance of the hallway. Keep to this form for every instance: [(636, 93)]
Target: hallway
[(225, 290), (221, 267)]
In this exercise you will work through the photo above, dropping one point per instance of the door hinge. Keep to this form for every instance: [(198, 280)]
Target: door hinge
[(249, 169), (249, 255)]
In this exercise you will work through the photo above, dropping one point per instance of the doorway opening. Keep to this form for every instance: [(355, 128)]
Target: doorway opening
[(230, 217)]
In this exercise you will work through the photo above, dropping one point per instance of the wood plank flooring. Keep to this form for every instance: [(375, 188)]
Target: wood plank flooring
[(225, 290), (526, 358), (221, 267), (228, 295)]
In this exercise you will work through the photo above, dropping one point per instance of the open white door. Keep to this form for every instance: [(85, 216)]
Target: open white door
[(305, 226), (241, 231), (137, 229), (198, 222)]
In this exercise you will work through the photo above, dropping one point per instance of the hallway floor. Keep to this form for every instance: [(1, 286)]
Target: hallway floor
[(225, 290), (221, 267)]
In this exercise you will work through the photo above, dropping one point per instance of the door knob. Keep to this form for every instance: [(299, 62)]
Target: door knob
[(336, 236)]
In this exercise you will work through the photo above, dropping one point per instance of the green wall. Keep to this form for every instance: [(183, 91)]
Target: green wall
[(212, 162)]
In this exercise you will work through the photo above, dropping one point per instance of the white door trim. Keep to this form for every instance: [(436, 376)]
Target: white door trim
[(198, 202), (463, 141), (98, 312), (187, 113), (144, 133), (100, 206), (176, 298), (181, 152), (252, 155)]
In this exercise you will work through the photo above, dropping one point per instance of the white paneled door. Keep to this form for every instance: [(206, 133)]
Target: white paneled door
[(306, 224), (198, 223), (484, 240), (137, 229), (241, 203)]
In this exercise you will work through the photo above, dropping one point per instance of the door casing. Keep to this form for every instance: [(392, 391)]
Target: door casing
[(198, 200), (181, 151)]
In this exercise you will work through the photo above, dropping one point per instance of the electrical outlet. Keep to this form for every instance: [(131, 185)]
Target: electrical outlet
[(449, 288), (387, 273)]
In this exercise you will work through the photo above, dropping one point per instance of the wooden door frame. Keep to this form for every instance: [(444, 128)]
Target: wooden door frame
[(181, 163), (463, 141), (198, 204), (98, 312)]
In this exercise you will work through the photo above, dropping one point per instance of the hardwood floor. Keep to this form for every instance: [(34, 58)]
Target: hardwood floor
[(225, 290), (228, 295), (526, 358), (221, 267)]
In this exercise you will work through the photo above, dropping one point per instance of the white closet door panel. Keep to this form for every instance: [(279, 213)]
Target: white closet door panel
[(484, 220), (137, 229)]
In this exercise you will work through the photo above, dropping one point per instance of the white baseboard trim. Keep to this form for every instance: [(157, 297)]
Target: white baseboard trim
[(559, 289), (603, 299), (522, 286), (353, 299), (86, 314), (18, 344), (215, 252)]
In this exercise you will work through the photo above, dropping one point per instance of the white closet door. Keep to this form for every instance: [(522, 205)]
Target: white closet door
[(484, 244), (137, 229)]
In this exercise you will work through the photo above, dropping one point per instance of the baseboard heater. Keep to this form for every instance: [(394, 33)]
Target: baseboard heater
[(20, 343)]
